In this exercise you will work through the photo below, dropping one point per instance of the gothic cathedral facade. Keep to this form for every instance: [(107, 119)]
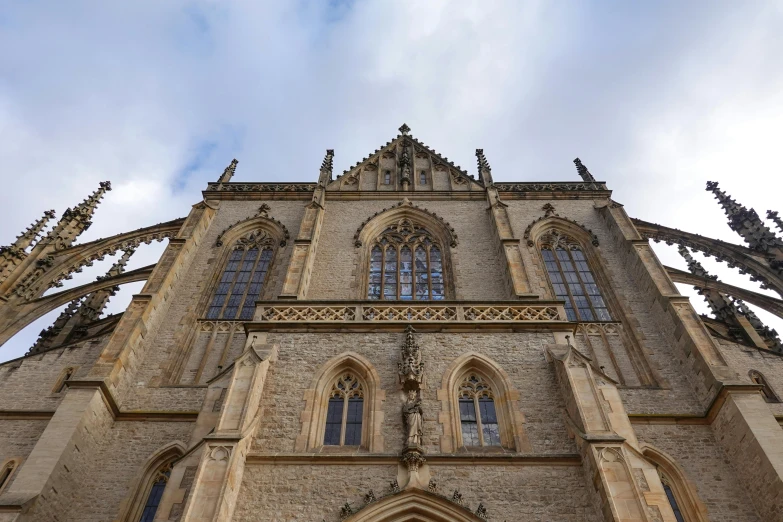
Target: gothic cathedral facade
[(402, 342)]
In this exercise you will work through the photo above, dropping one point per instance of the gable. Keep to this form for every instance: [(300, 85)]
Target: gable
[(404, 164)]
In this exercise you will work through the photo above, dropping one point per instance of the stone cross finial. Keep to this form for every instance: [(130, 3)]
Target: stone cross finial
[(404, 129), (583, 172)]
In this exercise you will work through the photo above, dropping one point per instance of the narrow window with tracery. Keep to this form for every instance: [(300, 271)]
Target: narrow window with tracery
[(672, 499), (766, 390), (344, 412), (477, 413), (406, 263), (156, 492), (242, 278), (387, 177), (572, 280), (423, 177)]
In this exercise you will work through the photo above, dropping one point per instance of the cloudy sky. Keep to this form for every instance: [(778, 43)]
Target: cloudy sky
[(158, 97)]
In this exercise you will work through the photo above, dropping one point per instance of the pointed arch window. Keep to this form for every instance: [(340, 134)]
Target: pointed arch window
[(671, 498), (6, 472), (160, 480), (571, 278), (344, 412), (478, 416), (766, 391), (406, 263), (243, 278)]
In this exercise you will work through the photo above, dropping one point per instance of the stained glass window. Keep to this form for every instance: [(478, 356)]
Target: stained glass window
[(344, 412), (406, 263), (156, 492), (572, 280), (477, 413), (242, 279)]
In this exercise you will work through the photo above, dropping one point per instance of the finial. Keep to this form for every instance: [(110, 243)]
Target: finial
[(582, 170), (774, 217), (404, 130), (29, 236), (229, 172)]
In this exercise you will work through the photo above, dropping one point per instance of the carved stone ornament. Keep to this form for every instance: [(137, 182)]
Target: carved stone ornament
[(481, 512), (413, 460), (456, 497), (411, 367)]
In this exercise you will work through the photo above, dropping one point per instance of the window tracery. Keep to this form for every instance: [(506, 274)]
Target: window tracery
[(478, 417), (571, 278), (406, 263), (243, 277), (344, 412), (160, 480)]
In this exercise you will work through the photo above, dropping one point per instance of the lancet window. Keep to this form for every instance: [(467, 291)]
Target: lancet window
[(156, 492), (672, 499), (478, 417), (242, 278), (344, 413), (571, 278), (406, 263)]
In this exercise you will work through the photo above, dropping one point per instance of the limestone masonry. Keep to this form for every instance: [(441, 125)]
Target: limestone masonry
[(402, 342)]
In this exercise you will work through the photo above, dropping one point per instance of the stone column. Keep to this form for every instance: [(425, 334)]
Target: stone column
[(222, 464), (628, 486)]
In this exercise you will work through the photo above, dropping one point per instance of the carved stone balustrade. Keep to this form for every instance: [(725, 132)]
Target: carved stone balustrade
[(430, 315)]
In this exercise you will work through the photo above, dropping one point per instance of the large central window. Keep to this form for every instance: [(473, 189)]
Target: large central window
[(406, 263)]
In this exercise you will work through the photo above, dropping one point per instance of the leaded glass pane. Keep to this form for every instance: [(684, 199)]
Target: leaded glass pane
[(353, 423), (422, 274), (376, 265), (256, 283), (153, 500), (673, 503), (390, 274), (224, 285), (467, 413), (489, 422), (406, 274), (334, 421)]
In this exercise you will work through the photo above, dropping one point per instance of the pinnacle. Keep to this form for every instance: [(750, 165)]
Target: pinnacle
[(229, 172), (583, 172)]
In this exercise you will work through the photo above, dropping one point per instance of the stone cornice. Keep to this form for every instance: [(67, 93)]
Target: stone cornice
[(483, 459)]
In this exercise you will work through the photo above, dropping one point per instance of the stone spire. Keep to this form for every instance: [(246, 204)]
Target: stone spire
[(29, 236), (485, 171), (720, 306), (745, 222), (71, 324), (582, 170), (229, 172), (96, 302), (774, 217), (47, 337), (77, 219), (326, 168)]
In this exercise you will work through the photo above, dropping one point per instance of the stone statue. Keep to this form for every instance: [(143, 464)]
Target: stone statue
[(412, 413)]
